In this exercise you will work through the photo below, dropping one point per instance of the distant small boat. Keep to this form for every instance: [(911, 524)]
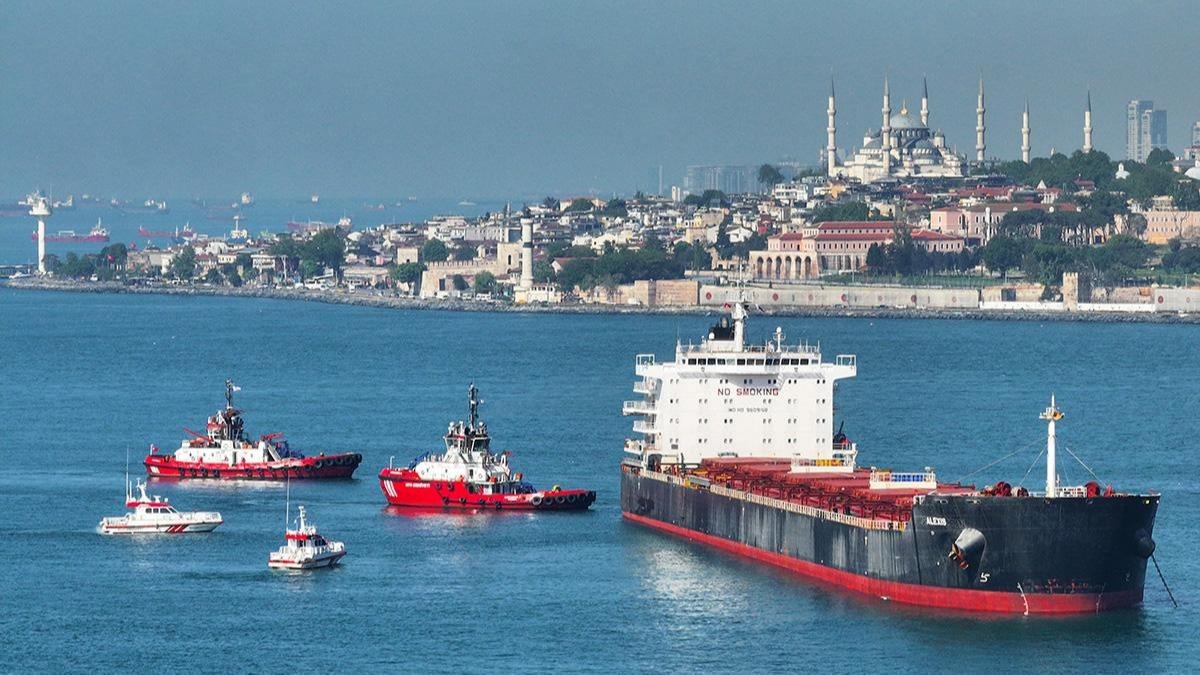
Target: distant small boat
[(466, 202)]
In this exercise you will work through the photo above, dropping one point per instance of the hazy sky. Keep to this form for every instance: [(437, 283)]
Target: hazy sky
[(506, 99)]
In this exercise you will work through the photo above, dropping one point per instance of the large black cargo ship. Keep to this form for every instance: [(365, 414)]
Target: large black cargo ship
[(739, 453)]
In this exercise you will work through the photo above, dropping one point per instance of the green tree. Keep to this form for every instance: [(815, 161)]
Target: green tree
[(289, 250), (1159, 157), (543, 271), (1003, 253), (580, 205), (327, 249), (460, 284), (769, 176), (407, 273), (615, 208), (877, 260), (183, 265), (213, 276), (464, 251), (434, 250), (708, 198), (485, 282), (1186, 195), (309, 269)]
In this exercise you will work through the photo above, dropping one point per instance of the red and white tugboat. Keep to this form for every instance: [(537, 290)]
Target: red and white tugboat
[(304, 549), (154, 515), (226, 452), (469, 476)]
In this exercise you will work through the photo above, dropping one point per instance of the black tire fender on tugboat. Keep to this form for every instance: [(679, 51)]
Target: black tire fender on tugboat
[(319, 464), (536, 500)]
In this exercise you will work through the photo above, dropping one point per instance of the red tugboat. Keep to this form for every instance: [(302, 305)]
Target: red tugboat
[(469, 476), (226, 452)]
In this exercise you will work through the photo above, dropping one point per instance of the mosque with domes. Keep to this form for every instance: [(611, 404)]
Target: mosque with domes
[(903, 147)]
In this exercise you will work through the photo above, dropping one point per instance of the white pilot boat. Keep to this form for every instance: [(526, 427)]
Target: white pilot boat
[(305, 549), (154, 515)]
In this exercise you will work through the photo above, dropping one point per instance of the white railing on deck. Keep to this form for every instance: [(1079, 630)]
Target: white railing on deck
[(647, 386), (637, 408), (644, 427)]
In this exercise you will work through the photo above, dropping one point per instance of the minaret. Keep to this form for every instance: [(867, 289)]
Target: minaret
[(1025, 133), (1087, 124), (885, 134), (924, 102), (831, 132), (980, 145)]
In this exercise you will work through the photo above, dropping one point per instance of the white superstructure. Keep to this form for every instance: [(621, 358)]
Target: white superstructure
[(155, 515), (304, 548), (726, 398)]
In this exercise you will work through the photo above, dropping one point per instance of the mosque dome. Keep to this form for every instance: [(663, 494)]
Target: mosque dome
[(1193, 173), (902, 120)]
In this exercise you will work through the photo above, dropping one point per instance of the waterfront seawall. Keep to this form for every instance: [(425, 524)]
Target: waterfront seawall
[(763, 298)]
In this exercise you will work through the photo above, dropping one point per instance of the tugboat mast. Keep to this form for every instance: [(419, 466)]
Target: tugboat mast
[(473, 400), (230, 387), (1051, 415)]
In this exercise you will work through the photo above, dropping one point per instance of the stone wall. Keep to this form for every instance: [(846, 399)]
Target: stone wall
[(846, 296)]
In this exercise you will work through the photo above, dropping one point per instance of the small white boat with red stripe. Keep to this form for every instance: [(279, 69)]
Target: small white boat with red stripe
[(305, 549), (155, 515)]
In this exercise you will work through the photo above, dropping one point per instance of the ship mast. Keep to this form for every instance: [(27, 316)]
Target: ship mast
[(1051, 415), (230, 387), (473, 400)]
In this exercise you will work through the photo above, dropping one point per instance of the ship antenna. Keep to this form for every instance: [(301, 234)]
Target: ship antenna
[(128, 489), (473, 401), (229, 389)]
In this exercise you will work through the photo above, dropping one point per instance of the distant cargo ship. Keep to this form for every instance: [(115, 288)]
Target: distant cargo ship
[(739, 452), (343, 224), (148, 206), (185, 233), (98, 234)]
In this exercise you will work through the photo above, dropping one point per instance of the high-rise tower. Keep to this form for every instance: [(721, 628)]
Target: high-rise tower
[(980, 145), (1025, 133)]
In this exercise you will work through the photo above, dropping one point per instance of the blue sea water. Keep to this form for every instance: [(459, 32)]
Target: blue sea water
[(86, 378)]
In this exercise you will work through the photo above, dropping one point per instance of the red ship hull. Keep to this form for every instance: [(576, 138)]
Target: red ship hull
[(327, 466), (415, 493)]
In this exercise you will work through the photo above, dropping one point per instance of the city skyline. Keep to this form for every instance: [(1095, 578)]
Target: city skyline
[(474, 100)]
